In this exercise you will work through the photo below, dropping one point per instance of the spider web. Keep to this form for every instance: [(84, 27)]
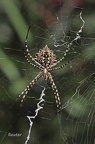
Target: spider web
[(57, 24)]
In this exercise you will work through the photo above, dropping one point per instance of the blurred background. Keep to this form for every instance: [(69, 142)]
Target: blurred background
[(55, 23)]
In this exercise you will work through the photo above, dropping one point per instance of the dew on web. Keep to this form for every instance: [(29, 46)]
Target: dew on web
[(68, 29)]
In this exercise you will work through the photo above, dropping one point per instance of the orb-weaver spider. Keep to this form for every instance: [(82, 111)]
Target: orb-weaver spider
[(45, 60)]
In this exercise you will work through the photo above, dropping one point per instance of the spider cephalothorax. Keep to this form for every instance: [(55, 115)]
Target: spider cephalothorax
[(45, 61)]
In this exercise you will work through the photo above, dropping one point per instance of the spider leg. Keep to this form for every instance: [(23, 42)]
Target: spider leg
[(54, 88), (32, 63), (64, 65), (64, 55), (31, 84), (28, 56)]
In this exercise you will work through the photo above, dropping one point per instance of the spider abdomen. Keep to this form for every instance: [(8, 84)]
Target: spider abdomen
[(46, 57)]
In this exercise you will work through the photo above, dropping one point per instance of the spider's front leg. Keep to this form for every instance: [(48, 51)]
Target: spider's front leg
[(64, 55), (57, 98), (31, 84), (28, 56), (62, 66)]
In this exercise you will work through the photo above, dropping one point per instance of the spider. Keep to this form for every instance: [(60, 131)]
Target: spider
[(45, 61)]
